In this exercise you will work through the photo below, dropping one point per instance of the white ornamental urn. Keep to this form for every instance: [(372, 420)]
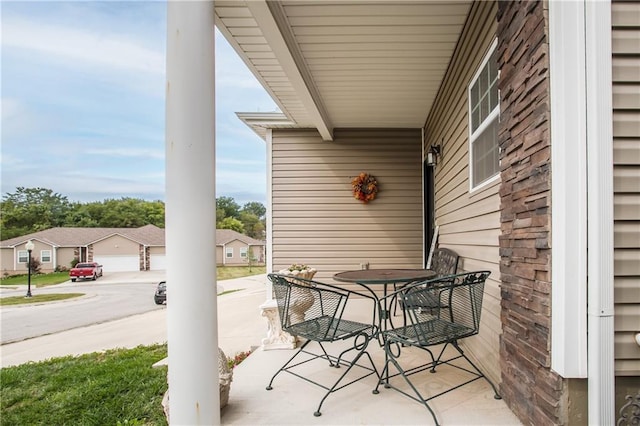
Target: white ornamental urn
[(302, 299)]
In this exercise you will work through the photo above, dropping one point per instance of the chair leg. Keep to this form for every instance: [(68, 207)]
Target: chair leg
[(361, 351), (286, 364), (391, 359), (495, 390)]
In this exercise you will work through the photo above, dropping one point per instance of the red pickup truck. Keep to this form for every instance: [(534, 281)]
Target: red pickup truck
[(86, 270)]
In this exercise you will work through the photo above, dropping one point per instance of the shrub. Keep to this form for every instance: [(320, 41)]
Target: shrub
[(35, 265), (238, 358)]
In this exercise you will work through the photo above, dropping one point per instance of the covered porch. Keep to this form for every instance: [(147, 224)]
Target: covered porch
[(447, 104)]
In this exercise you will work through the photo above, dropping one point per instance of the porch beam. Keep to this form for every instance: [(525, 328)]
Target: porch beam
[(274, 26), (192, 329)]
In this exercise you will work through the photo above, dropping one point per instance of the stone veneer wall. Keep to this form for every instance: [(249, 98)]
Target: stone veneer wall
[(533, 392)]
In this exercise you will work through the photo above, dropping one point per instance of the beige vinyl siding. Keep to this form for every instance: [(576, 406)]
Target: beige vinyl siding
[(7, 261), (626, 181), (469, 222), (116, 245), (64, 256), (219, 255), (236, 259), (316, 219)]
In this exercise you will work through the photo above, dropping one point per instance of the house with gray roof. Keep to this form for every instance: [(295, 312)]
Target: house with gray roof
[(117, 249)]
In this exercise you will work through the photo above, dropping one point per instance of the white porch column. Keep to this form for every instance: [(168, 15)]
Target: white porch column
[(190, 215)]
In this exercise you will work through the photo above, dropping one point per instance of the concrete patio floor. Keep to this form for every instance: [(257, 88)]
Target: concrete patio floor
[(293, 401)]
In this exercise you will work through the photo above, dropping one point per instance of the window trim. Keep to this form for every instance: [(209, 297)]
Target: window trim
[(244, 252), (26, 256), (489, 120), (228, 252), (42, 256)]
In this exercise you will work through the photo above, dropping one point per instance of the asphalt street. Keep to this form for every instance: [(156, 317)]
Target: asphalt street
[(103, 301), (240, 324)]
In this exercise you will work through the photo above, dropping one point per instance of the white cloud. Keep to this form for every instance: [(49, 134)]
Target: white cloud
[(239, 162), (128, 152), (82, 46)]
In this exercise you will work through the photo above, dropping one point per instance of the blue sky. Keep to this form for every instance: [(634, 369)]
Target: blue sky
[(82, 87)]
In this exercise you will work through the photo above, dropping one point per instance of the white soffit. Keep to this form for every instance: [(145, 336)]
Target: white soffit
[(348, 63)]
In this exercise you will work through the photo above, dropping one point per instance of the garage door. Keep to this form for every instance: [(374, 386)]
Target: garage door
[(158, 262), (118, 263)]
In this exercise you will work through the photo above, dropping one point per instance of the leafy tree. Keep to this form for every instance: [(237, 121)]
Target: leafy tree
[(231, 223), (30, 210), (256, 208), (226, 207), (253, 226)]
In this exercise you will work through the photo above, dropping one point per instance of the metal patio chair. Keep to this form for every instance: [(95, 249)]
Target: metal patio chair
[(444, 262), (440, 312), (314, 311)]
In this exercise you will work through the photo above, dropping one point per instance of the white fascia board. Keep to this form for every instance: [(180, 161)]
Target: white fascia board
[(291, 62), (568, 189)]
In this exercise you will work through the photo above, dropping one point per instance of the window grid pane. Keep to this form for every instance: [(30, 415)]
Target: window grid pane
[(483, 101), (485, 154)]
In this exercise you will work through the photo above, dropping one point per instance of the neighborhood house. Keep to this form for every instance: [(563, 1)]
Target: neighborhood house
[(116, 249)]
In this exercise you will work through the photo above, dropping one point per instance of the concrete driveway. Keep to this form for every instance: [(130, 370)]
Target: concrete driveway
[(240, 325)]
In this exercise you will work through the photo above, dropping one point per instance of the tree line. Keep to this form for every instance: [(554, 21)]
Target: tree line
[(30, 210)]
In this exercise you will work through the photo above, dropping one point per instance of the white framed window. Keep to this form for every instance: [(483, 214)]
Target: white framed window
[(243, 252), (45, 256), (23, 256), (228, 251), (484, 110)]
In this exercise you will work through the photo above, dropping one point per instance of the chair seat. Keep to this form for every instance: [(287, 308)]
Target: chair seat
[(432, 332), (329, 329)]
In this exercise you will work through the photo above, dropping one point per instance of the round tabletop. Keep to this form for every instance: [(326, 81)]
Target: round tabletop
[(383, 276)]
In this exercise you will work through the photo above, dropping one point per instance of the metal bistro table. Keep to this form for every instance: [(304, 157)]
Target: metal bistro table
[(371, 278)]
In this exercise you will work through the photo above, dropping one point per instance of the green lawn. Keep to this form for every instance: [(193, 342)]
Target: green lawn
[(111, 388), (38, 280), (37, 298), (229, 272)]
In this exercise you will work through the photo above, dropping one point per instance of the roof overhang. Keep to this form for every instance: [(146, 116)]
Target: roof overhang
[(351, 64)]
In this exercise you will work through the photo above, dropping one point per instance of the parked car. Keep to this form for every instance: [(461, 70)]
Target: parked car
[(161, 293), (86, 270)]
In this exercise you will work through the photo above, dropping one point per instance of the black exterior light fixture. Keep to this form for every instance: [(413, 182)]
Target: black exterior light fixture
[(29, 246), (433, 154)]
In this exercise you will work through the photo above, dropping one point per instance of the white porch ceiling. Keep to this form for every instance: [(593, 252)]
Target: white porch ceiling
[(346, 64)]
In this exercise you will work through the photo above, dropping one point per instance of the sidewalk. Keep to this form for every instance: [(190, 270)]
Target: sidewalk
[(240, 327)]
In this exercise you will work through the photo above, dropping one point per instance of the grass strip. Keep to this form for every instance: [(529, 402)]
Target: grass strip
[(38, 298), (38, 280), (229, 272), (115, 387)]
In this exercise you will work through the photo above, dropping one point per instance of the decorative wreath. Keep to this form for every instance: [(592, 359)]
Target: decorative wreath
[(365, 187)]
